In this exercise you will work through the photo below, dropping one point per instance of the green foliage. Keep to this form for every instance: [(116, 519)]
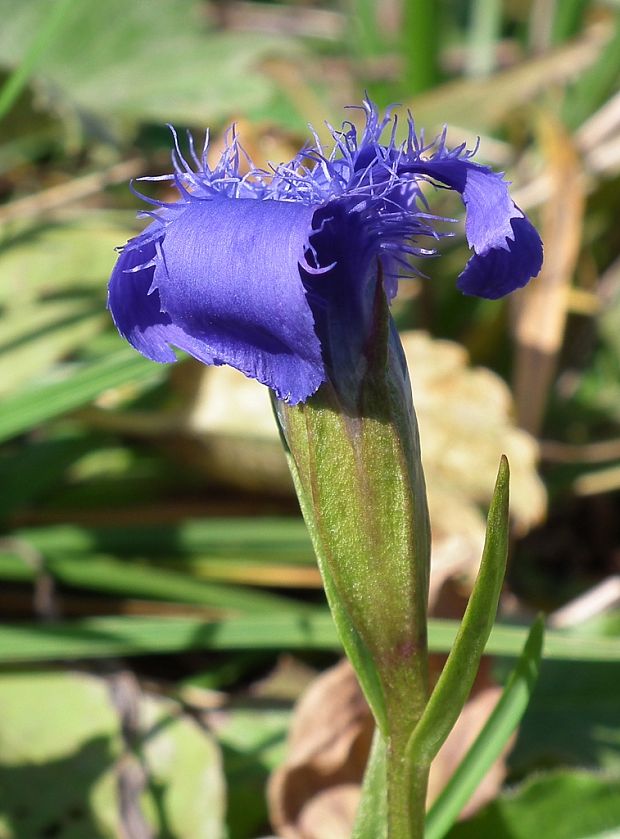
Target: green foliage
[(126, 529), (557, 805), (70, 755), (572, 718), (253, 744), (457, 677), (307, 629), (121, 74), (34, 405), (50, 23), (491, 741), (371, 819)]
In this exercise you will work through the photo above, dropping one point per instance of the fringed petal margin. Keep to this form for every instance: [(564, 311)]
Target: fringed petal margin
[(273, 272), (137, 312), (224, 284), (507, 248), (498, 271)]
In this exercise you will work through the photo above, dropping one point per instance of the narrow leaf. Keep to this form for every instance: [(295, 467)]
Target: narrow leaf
[(483, 37), (112, 635), (264, 538), (33, 406), (455, 682), (47, 31), (371, 820), (420, 45), (489, 744), (133, 579)]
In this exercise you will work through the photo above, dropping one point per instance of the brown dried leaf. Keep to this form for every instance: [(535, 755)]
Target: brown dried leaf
[(315, 793)]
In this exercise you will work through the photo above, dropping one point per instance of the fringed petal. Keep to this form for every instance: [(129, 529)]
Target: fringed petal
[(229, 275), (137, 312), (498, 271), (507, 248), (274, 272)]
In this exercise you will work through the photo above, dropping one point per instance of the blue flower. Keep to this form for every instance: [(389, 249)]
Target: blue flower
[(275, 272)]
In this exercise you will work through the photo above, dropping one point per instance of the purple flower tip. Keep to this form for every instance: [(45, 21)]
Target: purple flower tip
[(274, 272)]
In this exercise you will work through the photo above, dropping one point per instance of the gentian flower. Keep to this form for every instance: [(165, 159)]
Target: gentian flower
[(275, 272)]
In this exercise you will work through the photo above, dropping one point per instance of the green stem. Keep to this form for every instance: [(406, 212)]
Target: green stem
[(407, 780), (406, 792)]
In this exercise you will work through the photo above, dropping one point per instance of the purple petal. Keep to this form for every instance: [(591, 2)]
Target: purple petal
[(342, 296), (137, 314), (501, 270), (507, 248), (229, 276)]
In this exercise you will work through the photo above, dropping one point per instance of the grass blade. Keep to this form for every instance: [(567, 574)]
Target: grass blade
[(110, 636), (26, 409), (19, 77), (263, 538), (113, 636), (420, 45), (134, 580), (483, 36)]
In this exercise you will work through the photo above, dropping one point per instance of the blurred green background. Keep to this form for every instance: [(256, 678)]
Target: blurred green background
[(160, 607)]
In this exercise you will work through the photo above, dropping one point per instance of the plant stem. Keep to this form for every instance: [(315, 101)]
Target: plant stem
[(406, 793), (407, 697)]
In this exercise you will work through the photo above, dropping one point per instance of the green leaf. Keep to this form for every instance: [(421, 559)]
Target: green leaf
[(457, 677), (492, 739), (58, 769), (274, 552), (28, 408), (61, 256), (32, 472), (572, 719), (49, 25), (110, 636), (38, 336), (558, 805), (122, 73), (60, 761), (594, 86), (420, 45), (567, 19), (253, 743), (371, 819), (263, 538), (483, 37), (135, 580)]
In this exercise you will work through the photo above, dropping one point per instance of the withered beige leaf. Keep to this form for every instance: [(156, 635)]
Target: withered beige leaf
[(316, 791)]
